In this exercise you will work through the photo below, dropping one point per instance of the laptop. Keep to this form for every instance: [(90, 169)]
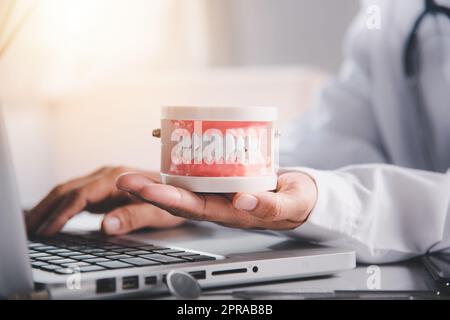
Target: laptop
[(88, 265)]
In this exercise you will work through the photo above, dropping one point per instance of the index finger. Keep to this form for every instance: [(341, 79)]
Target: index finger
[(47, 205)]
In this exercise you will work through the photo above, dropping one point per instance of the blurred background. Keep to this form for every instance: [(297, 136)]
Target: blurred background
[(83, 81)]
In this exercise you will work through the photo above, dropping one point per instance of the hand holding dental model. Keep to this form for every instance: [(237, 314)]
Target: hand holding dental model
[(128, 209), (220, 150), (383, 183)]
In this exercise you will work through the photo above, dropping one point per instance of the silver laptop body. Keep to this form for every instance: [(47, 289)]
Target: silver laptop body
[(240, 256)]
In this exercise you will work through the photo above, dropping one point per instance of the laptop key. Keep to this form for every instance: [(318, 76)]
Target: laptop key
[(167, 251), (77, 248), (138, 252), (122, 250), (48, 258), (114, 264), (45, 248), (37, 264), (91, 268), (92, 250), (110, 247), (70, 253), (183, 254), (75, 264), (49, 267), (199, 258), (119, 257), (64, 271), (96, 260), (83, 257), (39, 254), (105, 253), (58, 251), (163, 259), (152, 247), (141, 262), (63, 261)]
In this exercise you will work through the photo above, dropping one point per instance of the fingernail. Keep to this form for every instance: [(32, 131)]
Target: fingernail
[(246, 202), (112, 224)]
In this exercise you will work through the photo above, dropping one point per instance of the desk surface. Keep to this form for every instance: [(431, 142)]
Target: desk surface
[(405, 276), (408, 276)]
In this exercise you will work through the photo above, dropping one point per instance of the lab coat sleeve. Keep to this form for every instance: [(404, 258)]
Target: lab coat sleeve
[(340, 129), (383, 212)]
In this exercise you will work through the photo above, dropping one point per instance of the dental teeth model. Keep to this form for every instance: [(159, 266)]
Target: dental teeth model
[(219, 149)]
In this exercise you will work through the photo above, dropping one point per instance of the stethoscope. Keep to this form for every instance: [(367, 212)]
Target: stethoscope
[(411, 68)]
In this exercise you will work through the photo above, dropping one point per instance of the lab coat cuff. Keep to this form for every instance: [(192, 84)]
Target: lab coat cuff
[(333, 215)]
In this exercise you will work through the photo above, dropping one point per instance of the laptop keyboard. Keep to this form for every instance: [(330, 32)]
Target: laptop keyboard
[(65, 254)]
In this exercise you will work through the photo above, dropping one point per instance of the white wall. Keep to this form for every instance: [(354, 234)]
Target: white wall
[(111, 124), (56, 104), (288, 31)]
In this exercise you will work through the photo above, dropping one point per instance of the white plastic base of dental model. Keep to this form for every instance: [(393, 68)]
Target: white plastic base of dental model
[(221, 184)]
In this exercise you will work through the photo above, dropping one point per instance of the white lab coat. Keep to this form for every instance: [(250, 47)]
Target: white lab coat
[(375, 193)]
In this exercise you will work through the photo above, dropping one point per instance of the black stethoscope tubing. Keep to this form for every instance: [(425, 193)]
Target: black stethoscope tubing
[(411, 68)]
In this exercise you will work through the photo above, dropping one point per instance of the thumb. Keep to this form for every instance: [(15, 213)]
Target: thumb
[(136, 216), (293, 200)]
